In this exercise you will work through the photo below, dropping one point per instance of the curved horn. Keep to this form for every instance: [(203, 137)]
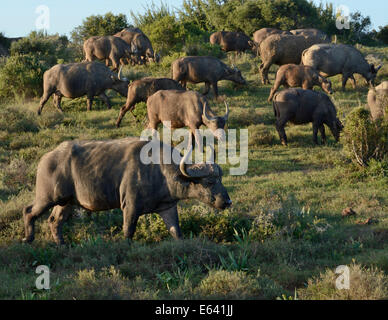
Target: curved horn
[(120, 72), (205, 113), (182, 165), (379, 67), (226, 116)]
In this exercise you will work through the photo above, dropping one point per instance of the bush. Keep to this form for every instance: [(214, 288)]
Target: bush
[(22, 77), (51, 49), (364, 139)]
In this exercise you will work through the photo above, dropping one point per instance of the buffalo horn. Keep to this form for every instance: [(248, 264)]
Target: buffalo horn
[(226, 116), (206, 115)]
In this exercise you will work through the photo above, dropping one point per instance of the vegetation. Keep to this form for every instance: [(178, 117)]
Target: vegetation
[(283, 237)]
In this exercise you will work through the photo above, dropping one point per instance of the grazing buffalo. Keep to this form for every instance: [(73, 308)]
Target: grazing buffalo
[(301, 106), (292, 75), (260, 35), (104, 175), (184, 109), (282, 49), (332, 59), (140, 43), (204, 69), (378, 100), (75, 80), (141, 90), (111, 49), (233, 41)]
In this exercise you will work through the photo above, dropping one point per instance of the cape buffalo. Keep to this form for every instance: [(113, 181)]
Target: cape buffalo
[(301, 106), (204, 69), (109, 48), (282, 49), (332, 59), (140, 43), (292, 75), (75, 80), (378, 100), (140, 90), (184, 109), (104, 175), (233, 41), (261, 34)]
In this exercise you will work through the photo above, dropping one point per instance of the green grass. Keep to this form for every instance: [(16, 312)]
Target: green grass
[(284, 233)]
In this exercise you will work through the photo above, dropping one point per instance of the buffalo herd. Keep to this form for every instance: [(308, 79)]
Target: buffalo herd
[(103, 175)]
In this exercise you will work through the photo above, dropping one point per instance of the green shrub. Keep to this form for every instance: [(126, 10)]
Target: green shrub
[(221, 284), (22, 77), (364, 139)]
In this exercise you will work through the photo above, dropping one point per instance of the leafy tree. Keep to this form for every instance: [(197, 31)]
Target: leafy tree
[(52, 49), (382, 35), (99, 25)]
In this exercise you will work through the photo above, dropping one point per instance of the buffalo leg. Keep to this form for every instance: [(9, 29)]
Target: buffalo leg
[(345, 78), (57, 102), (264, 68), (215, 89), (30, 214), (275, 87), (43, 101), (130, 218), (105, 98), (353, 81), (58, 216), (315, 132), (282, 133), (123, 111), (207, 88), (90, 103), (170, 218), (323, 134)]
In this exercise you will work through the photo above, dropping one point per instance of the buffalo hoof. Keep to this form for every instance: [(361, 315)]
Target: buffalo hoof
[(28, 240)]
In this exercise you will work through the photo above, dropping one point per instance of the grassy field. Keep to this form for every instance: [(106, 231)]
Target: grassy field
[(283, 238)]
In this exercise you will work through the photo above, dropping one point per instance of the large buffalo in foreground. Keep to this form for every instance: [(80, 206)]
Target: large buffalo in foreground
[(140, 43), (332, 59), (282, 49), (111, 49), (141, 90), (301, 106), (260, 35), (204, 69), (184, 109), (378, 100), (233, 41), (75, 80), (292, 75), (104, 175)]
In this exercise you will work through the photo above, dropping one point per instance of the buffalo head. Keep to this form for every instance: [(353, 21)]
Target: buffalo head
[(120, 84), (205, 182), (372, 73), (233, 74)]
